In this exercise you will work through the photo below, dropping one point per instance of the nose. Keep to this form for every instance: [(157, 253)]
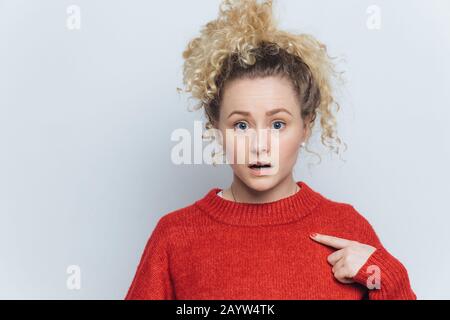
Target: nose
[(260, 142)]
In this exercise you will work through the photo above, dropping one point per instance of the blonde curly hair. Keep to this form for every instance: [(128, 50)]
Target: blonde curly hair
[(245, 42)]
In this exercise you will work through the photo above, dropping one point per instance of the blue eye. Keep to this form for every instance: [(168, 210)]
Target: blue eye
[(240, 125), (278, 126)]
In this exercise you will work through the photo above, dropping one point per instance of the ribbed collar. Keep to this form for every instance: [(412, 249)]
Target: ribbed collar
[(282, 211)]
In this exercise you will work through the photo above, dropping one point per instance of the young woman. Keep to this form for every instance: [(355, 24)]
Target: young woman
[(267, 236)]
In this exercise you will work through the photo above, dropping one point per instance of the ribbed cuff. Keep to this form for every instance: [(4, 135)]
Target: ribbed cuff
[(385, 277)]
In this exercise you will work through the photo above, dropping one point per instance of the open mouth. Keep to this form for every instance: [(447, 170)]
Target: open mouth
[(259, 165)]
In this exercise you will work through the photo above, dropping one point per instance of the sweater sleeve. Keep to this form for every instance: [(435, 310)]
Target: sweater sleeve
[(385, 277), (152, 279)]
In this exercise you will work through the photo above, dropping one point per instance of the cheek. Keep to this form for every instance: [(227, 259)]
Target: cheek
[(289, 148)]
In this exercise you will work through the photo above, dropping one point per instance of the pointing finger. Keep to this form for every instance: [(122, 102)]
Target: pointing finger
[(331, 241)]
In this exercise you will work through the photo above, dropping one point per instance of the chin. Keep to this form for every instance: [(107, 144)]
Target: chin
[(262, 183)]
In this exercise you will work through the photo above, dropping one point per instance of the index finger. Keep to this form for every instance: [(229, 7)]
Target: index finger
[(335, 242)]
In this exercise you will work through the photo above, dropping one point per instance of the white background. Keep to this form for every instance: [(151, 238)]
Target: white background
[(86, 117)]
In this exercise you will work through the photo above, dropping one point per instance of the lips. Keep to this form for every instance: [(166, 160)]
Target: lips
[(259, 164)]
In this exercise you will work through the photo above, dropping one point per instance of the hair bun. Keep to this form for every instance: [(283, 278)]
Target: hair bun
[(240, 27)]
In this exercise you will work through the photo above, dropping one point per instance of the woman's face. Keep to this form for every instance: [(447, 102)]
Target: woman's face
[(260, 120)]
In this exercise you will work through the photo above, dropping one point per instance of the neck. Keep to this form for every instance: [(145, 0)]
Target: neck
[(283, 210), (241, 192)]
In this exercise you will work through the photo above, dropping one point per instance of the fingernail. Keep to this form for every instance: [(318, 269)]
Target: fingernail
[(313, 234)]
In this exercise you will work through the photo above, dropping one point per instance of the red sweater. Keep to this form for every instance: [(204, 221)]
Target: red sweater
[(220, 249)]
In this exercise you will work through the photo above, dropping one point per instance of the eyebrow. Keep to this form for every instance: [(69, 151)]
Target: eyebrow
[(268, 113)]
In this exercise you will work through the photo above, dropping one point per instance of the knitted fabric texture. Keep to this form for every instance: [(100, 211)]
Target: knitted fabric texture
[(220, 249)]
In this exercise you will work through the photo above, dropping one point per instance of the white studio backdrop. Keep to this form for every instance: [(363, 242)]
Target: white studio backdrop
[(88, 103)]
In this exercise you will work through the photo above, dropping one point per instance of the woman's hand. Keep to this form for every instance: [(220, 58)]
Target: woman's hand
[(350, 257)]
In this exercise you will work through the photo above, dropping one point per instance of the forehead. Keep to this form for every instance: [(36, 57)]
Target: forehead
[(259, 95)]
